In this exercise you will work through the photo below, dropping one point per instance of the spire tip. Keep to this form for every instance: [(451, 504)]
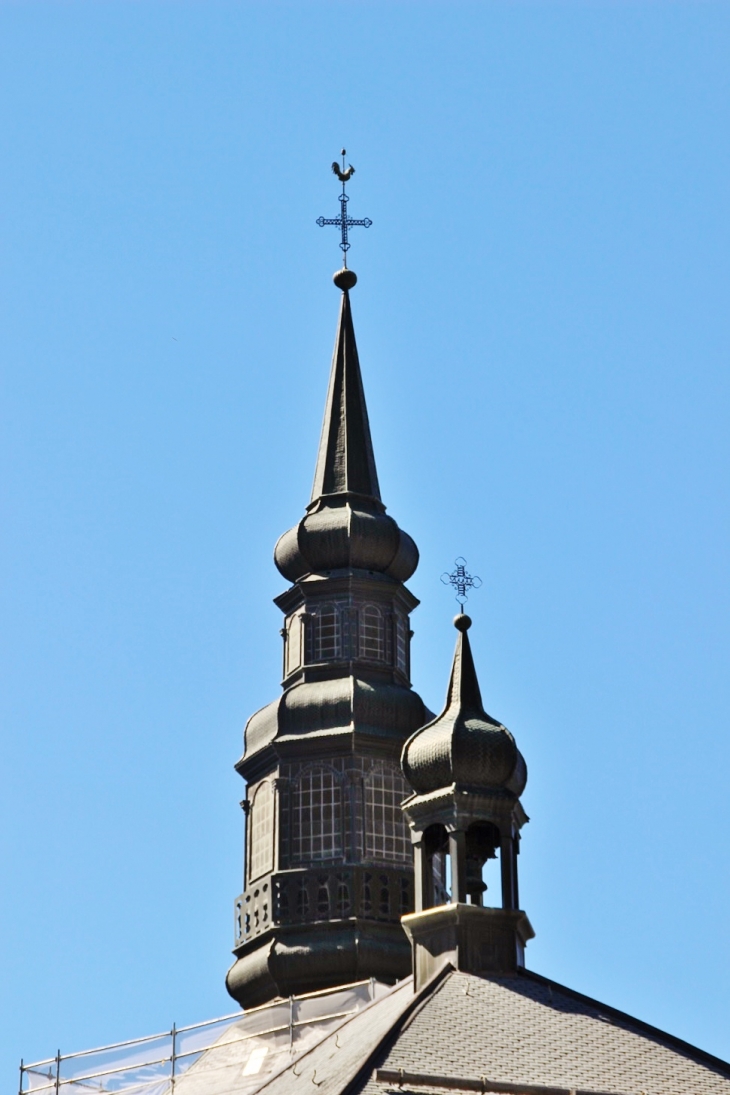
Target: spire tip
[(345, 279), (462, 622)]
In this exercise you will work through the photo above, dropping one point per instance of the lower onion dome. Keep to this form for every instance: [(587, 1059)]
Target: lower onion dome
[(346, 535)]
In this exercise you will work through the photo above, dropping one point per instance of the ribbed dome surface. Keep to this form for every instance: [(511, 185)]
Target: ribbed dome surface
[(346, 536), (343, 705), (464, 745)]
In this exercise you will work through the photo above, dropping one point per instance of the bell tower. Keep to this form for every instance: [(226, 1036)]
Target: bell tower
[(328, 862), (467, 774)]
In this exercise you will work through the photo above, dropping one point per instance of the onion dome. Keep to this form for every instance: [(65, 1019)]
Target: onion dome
[(346, 525), (464, 745)]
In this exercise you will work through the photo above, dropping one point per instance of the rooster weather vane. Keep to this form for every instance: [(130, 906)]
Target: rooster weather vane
[(461, 580), (344, 222)]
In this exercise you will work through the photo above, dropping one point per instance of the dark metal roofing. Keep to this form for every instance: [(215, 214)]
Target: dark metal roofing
[(463, 745), (345, 461), (346, 524), (345, 709)]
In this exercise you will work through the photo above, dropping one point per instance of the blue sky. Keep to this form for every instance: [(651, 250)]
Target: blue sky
[(542, 322)]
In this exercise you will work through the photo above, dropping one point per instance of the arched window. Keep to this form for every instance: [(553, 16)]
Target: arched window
[(294, 642), (328, 640), (372, 644), (437, 864), (386, 836), (261, 822), (482, 842), (316, 816)]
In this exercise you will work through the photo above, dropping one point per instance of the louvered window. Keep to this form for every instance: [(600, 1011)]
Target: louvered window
[(401, 644)]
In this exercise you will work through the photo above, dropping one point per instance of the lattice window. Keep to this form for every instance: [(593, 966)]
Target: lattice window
[(386, 836), (261, 821), (372, 644), (316, 816), (328, 637)]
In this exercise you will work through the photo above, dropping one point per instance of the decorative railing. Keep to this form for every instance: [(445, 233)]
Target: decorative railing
[(310, 895)]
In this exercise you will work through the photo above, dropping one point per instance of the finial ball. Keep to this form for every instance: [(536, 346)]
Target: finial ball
[(462, 622), (345, 279)]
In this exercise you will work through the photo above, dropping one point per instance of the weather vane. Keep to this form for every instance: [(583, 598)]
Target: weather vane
[(345, 223), (461, 580)]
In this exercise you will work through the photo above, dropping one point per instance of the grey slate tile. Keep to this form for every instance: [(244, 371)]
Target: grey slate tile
[(529, 1031)]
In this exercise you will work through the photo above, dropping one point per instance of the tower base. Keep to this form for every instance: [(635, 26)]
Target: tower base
[(469, 937)]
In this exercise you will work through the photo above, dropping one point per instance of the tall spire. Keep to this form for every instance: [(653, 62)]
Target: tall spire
[(345, 525), (345, 461)]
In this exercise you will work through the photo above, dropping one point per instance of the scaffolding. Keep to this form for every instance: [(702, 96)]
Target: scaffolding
[(248, 1046)]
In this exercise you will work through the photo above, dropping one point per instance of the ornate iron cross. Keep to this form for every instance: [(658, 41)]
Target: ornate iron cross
[(344, 221), (461, 580)]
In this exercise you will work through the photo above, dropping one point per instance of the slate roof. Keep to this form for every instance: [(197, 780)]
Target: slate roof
[(519, 1030), (526, 1029)]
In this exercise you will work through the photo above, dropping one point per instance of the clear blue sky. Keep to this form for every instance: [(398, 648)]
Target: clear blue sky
[(542, 316)]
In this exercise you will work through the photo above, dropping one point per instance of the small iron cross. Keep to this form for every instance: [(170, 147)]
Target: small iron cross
[(345, 223), (461, 580)]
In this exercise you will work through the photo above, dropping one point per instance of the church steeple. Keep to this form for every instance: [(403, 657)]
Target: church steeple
[(329, 866), (345, 461)]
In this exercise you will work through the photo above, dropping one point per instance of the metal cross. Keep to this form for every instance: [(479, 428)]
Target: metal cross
[(345, 223), (461, 580)]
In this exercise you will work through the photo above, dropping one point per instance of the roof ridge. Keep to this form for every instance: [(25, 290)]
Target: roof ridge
[(398, 986), (686, 1047), (418, 1000)]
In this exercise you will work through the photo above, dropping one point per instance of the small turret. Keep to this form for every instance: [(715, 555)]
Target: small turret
[(468, 775)]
